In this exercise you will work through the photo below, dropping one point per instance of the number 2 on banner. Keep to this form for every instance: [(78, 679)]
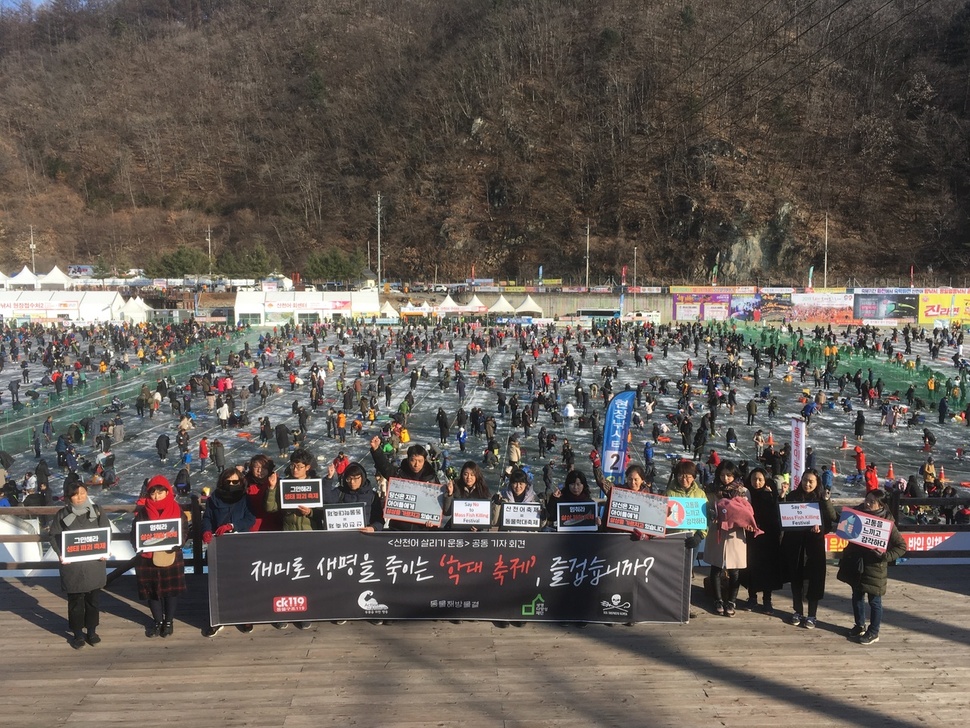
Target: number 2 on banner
[(616, 461)]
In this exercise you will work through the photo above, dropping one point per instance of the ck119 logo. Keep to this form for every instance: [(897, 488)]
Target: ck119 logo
[(290, 604)]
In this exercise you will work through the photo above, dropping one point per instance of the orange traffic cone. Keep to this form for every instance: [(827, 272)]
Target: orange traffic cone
[(845, 443), (891, 475), (835, 470), (771, 439), (942, 475)]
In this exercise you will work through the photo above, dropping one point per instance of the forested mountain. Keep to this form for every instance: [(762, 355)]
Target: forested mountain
[(699, 133)]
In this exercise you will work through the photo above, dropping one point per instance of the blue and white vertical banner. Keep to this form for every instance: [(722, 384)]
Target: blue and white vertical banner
[(540, 275), (616, 431), (797, 449)]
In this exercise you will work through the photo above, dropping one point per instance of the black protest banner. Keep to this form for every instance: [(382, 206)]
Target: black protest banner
[(589, 577)]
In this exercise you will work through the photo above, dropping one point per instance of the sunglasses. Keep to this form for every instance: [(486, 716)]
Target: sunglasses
[(232, 481)]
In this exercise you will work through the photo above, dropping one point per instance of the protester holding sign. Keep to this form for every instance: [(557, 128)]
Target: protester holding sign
[(355, 487), (866, 571), (227, 511), (683, 485), (726, 549), (804, 551), (301, 518), (160, 574), (414, 467), (517, 491), (82, 580), (765, 572), (259, 478), (469, 485), (574, 490)]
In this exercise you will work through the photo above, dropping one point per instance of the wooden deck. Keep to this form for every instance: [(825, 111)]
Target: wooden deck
[(751, 670)]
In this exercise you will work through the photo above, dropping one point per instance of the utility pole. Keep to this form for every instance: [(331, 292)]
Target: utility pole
[(208, 238), (33, 249), (587, 255), (635, 307), (825, 268), (378, 242)]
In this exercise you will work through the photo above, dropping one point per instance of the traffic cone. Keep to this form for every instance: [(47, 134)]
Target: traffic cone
[(891, 475), (942, 475), (835, 470), (771, 439), (845, 443)]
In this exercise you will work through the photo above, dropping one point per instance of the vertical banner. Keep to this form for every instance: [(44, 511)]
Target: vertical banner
[(797, 449), (616, 432), (540, 275)]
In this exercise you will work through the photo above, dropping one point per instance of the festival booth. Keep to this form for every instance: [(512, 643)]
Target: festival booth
[(448, 307), (136, 311), (24, 280), (409, 310), (475, 307), (66, 306), (274, 307), (389, 314), (56, 280), (501, 307), (529, 308)]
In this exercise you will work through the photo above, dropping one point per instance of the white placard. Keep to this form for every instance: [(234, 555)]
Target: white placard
[(476, 513), (800, 515), (523, 516), (344, 517)]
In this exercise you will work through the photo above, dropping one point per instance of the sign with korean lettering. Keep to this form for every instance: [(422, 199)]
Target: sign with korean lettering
[(800, 515), (88, 544), (297, 493), (687, 514), (413, 501), (864, 529), (545, 577), (344, 517), (576, 516), (521, 517), (629, 510), (162, 535), (471, 514)]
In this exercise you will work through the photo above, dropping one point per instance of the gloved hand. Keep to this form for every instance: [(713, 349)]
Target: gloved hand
[(206, 536), (638, 535), (227, 528), (692, 541)]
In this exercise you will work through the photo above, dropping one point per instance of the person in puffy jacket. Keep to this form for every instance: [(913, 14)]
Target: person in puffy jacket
[(866, 571)]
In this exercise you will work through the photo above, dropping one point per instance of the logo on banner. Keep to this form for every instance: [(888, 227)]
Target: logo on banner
[(617, 606), (535, 608), (290, 604), (370, 605)]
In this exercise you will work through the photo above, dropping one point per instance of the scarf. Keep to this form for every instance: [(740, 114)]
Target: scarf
[(74, 512), (167, 507)]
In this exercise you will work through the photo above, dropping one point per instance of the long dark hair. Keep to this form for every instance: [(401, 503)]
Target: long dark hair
[(480, 489)]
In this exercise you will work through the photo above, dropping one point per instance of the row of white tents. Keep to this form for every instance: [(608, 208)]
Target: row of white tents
[(474, 307), (25, 280)]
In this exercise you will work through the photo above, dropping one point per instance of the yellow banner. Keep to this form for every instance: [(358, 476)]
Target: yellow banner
[(952, 306)]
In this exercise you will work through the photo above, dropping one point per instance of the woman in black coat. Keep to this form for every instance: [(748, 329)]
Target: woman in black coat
[(765, 572), (804, 551), (860, 425), (82, 580)]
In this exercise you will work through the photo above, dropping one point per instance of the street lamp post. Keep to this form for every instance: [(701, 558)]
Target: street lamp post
[(635, 307), (33, 249)]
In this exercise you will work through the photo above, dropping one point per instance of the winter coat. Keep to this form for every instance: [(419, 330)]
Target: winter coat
[(804, 550), (765, 570), (727, 548), (83, 576), (863, 569), (505, 495), (218, 513), (373, 504)]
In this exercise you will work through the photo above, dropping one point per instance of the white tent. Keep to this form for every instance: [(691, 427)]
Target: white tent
[(501, 306), (475, 305), (389, 312), (425, 309), (56, 280), (528, 306), (3, 280), (449, 306), (95, 306), (136, 310), (24, 279)]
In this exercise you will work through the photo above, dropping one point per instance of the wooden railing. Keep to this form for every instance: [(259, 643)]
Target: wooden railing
[(193, 510)]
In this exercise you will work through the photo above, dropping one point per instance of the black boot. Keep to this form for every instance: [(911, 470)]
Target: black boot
[(154, 629), (167, 628)]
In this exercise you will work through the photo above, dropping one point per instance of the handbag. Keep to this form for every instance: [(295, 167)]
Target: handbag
[(163, 558)]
